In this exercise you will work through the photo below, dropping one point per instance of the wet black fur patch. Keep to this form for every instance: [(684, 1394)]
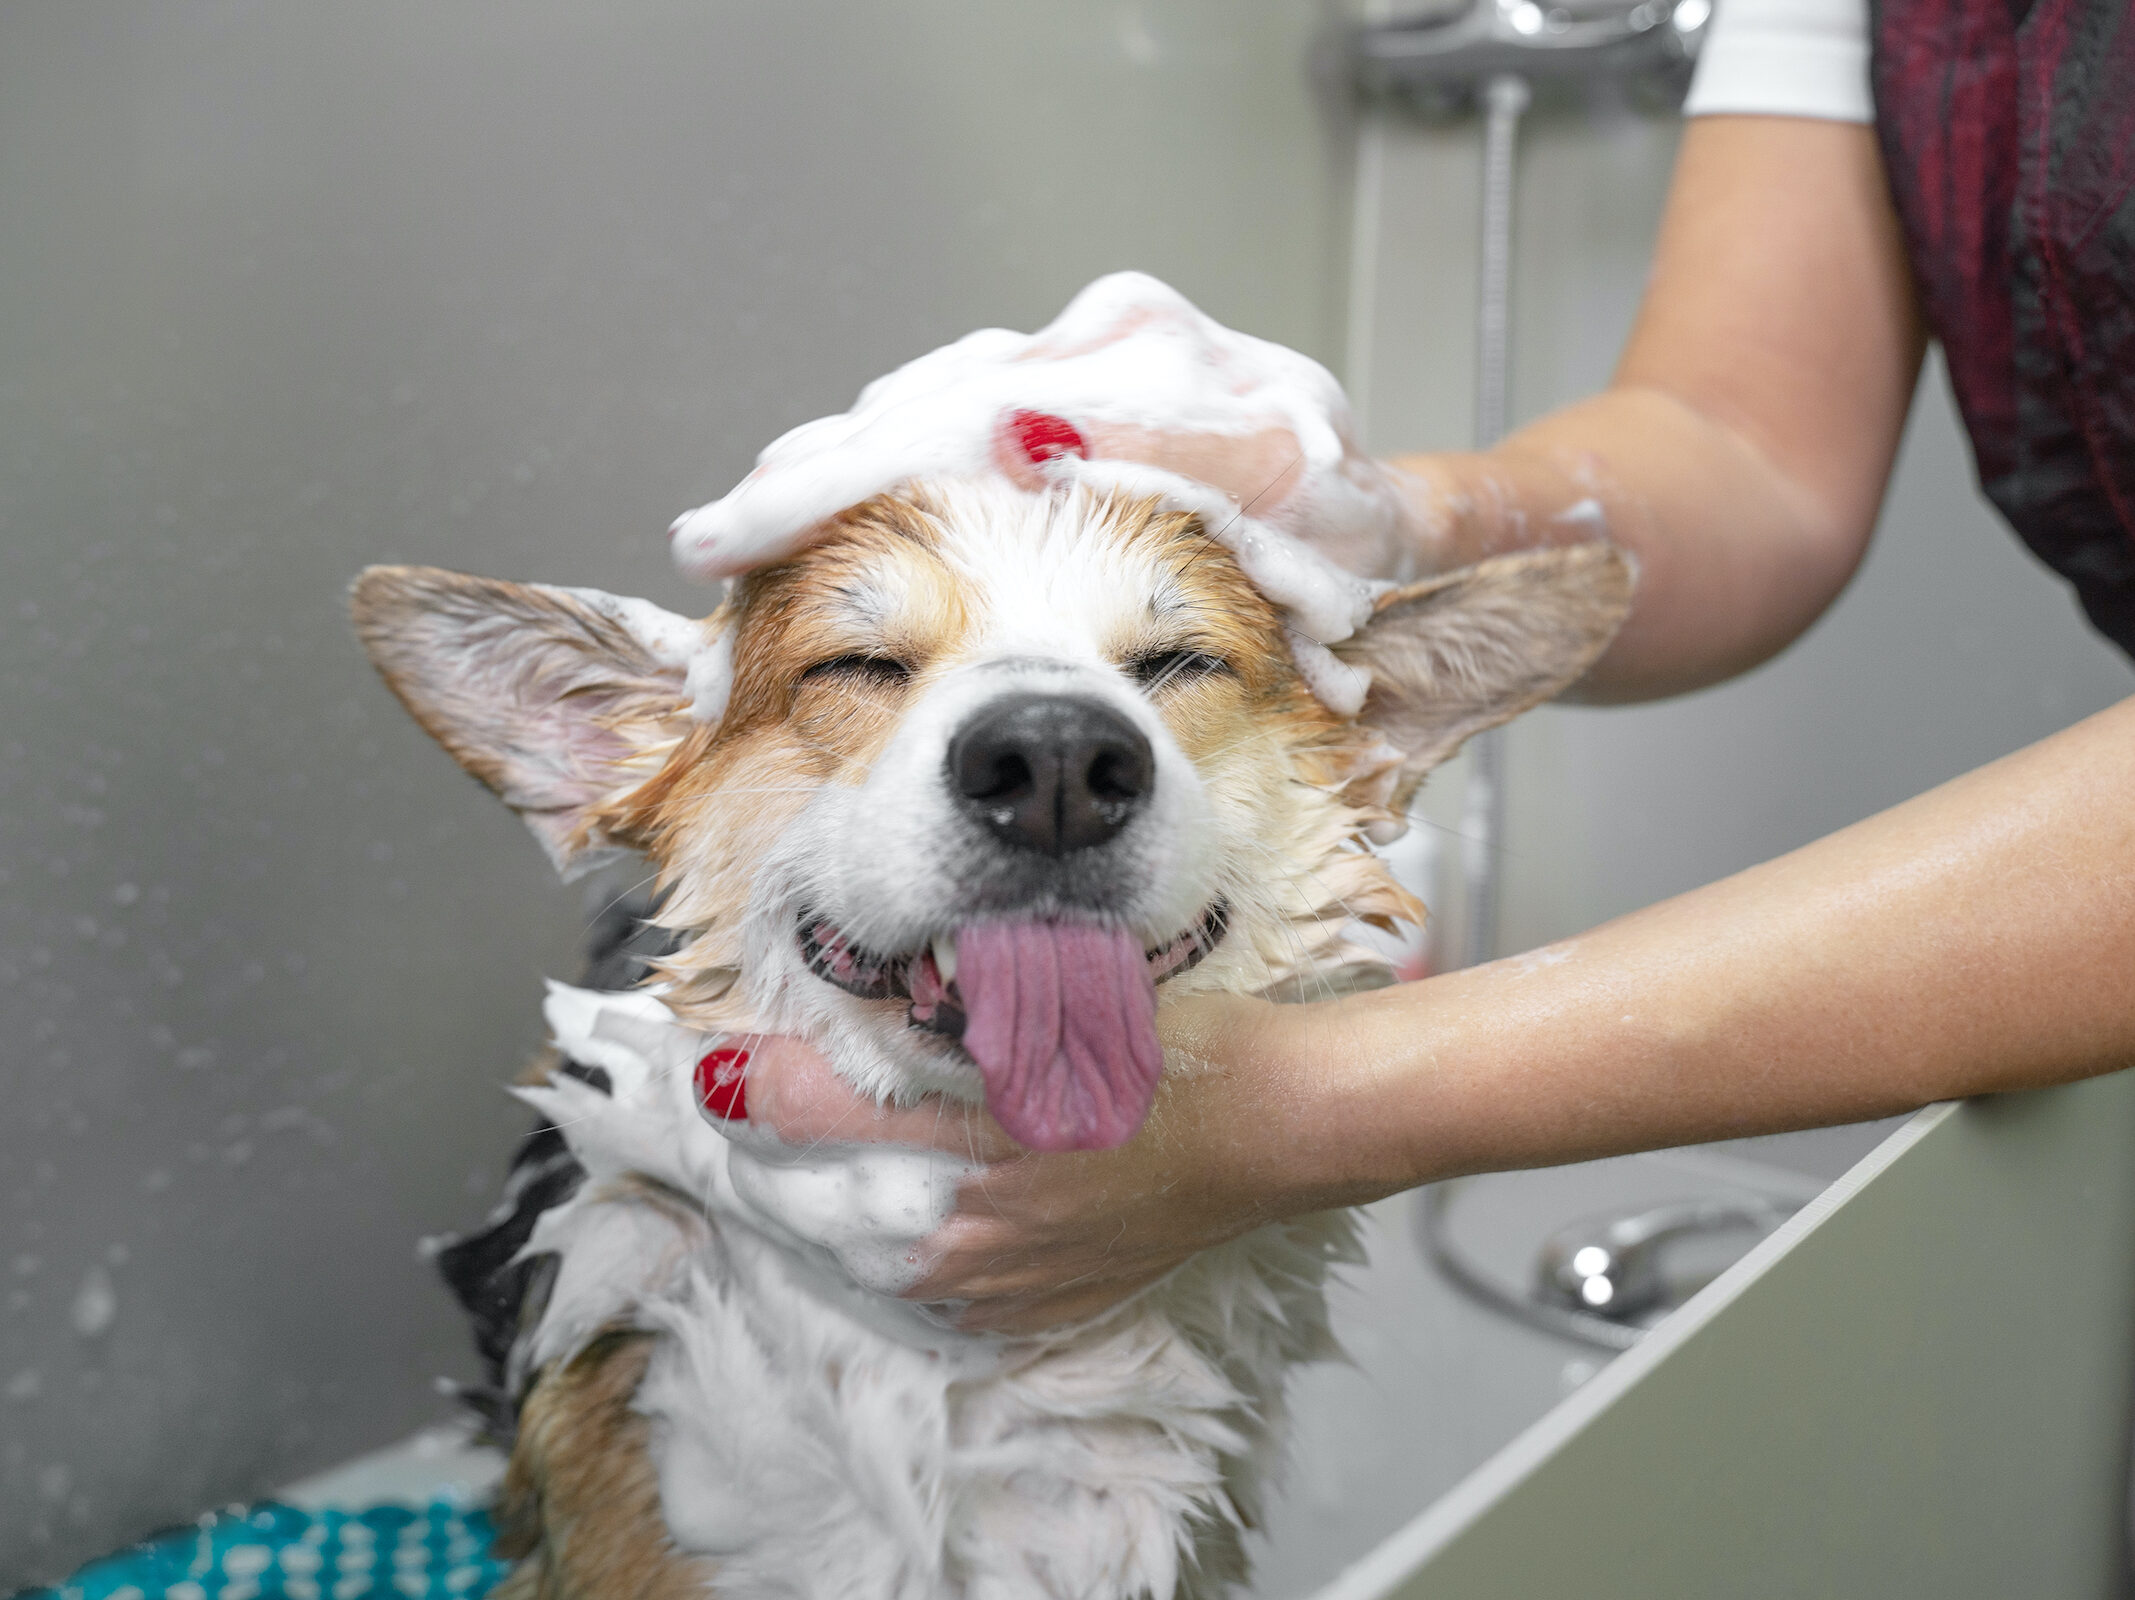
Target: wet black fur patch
[(504, 1295)]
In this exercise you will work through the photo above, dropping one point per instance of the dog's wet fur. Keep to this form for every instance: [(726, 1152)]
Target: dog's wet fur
[(817, 792)]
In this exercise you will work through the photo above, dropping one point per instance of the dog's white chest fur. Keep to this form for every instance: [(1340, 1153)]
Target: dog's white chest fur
[(815, 1436)]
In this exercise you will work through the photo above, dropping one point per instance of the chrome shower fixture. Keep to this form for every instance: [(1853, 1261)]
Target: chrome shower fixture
[(1611, 1266), (1603, 1280), (1439, 59)]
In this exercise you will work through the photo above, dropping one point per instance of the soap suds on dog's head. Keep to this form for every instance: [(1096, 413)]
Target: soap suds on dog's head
[(1089, 399)]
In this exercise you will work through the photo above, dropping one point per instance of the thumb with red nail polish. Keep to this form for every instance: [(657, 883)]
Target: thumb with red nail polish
[(722, 1082)]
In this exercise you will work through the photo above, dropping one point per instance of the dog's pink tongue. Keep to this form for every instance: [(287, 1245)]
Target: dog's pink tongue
[(1061, 1018)]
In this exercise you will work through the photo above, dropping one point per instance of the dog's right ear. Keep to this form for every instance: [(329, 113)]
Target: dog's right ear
[(561, 700), (1469, 649)]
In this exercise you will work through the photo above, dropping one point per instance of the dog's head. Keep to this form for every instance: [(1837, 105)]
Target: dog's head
[(960, 790)]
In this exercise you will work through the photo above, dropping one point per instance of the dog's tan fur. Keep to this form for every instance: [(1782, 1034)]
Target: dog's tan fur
[(580, 1506), (706, 801)]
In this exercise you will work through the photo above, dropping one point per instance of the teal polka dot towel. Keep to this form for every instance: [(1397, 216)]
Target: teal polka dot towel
[(276, 1552)]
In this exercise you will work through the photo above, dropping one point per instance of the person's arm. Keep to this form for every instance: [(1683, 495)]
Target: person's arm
[(1743, 447), (1978, 939)]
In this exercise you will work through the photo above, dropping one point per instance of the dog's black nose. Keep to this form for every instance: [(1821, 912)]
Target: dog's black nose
[(1051, 772)]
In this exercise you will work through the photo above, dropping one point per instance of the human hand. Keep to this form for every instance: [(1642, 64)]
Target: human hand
[(1262, 471), (1238, 1137), (1131, 388)]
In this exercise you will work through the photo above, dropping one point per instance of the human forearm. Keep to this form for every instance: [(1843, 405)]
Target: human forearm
[(1980, 938), (1716, 593), (1742, 450)]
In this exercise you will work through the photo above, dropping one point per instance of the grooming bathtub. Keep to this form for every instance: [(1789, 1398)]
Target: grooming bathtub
[(1917, 1385)]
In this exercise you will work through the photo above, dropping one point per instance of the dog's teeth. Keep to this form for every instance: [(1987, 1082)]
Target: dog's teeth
[(945, 956)]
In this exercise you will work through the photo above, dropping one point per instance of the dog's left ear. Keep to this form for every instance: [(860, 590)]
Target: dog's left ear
[(562, 701), (1470, 649)]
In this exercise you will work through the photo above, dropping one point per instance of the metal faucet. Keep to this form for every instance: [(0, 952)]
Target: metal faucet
[(1440, 58), (1611, 1266)]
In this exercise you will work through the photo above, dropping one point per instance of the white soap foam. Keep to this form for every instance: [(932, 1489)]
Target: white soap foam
[(1587, 516), (853, 1214), (1127, 350)]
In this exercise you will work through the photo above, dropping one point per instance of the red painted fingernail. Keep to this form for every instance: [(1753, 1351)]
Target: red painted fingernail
[(1042, 436), (722, 1087)]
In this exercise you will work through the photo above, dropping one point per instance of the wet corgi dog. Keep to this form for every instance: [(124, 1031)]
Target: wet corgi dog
[(963, 794)]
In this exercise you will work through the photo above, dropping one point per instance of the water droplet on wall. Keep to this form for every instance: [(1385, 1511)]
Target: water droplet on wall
[(96, 1303)]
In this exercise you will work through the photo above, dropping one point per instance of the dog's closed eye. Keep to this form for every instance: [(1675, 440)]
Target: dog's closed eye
[(1160, 669), (885, 672)]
